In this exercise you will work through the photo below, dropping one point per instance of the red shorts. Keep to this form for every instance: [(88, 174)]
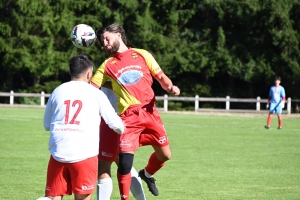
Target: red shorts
[(65, 178), (143, 127), (109, 143)]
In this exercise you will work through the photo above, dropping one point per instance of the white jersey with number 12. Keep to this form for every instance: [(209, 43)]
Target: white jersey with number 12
[(73, 117)]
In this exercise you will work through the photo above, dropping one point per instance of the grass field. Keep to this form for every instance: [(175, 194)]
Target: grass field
[(214, 158)]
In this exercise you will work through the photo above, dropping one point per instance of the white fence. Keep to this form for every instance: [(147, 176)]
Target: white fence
[(227, 100)]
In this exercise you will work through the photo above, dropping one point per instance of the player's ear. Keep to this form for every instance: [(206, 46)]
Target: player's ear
[(119, 36), (89, 74)]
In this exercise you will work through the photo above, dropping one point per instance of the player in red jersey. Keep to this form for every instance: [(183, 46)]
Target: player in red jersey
[(130, 71), (108, 153)]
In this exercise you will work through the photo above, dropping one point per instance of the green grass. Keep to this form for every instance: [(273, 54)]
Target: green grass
[(214, 158)]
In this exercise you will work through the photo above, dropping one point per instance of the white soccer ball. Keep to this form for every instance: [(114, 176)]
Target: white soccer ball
[(44, 198), (83, 36)]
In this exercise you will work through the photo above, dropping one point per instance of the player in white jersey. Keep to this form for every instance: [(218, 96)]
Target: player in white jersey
[(108, 153), (72, 116), (276, 102)]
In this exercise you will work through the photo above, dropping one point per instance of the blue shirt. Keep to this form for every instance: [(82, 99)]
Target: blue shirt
[(276, 94)]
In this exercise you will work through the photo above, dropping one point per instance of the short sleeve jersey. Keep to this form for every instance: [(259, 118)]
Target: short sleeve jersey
[(131, 75), (276, 94), (72, 116)]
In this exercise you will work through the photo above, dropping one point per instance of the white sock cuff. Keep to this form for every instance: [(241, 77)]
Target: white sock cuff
[(147, 174), (105, 180)]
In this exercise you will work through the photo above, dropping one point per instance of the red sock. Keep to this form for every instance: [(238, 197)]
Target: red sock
[(279, 122), (269, 120), (153, 164), (124, 185)]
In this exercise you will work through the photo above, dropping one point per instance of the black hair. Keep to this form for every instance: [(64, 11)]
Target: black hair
[(80, 64), (277, 78)]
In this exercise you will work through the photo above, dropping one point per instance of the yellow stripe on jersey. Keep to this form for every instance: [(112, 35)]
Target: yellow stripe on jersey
[(151, 62), (99, 77), (126, 100)]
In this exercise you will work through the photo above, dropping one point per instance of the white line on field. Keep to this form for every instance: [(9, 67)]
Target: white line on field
[(19, 118), (230, 127), (15, 119)]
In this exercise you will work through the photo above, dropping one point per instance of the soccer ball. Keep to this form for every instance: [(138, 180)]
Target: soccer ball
[(83, 36)]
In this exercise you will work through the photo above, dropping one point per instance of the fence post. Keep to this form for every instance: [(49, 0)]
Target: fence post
[(11, 99), (289, 105), (42, 98), (196, 103), (258, 104), (165, 102), (227, 102)]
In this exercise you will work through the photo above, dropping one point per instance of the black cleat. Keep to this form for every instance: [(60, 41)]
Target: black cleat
[(279, 128), (150, 182), (267, 127)]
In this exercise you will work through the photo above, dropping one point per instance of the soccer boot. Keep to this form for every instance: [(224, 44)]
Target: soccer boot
[(150, 182), (267, 127)]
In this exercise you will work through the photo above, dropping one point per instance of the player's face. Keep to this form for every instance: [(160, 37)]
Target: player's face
[(110, 42), (277, 82)]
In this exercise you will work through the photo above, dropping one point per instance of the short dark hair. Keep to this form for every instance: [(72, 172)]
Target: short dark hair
[(80, 64), (277, 78), (113, 28)]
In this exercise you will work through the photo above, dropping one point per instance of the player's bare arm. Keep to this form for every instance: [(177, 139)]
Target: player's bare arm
[(167, 84)]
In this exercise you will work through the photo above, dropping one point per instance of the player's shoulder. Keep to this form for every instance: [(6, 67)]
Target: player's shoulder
[(281, 87), (93, 92), (96, 91), (141, 51), (99, 95), (93, 89), (105, 62), (61, 87)]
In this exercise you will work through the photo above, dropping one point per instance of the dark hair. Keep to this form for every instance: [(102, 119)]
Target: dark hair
[(80, 64), (277, 78), (113, 28)]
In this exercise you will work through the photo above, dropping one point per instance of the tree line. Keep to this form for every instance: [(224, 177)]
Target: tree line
[(207, 47)]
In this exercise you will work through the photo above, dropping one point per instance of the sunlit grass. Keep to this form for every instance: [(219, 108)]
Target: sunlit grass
[(214, 158)]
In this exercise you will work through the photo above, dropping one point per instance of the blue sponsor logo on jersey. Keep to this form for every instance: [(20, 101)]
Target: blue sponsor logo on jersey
[(130, 77)]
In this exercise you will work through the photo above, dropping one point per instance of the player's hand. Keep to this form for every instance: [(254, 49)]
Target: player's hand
[(267, 106), (124, 128), (174, 90), (282, 105)]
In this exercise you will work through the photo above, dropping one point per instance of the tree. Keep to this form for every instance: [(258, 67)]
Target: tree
[(207, 47)]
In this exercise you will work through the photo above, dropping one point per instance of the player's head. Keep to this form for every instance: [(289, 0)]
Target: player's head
[(277, 80), (81, 67), (111, 37)]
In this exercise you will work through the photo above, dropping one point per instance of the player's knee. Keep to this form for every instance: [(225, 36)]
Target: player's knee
[(167, 156), (82, 196), (104, 169), (163, 153), (103, 164), (125, 163)]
